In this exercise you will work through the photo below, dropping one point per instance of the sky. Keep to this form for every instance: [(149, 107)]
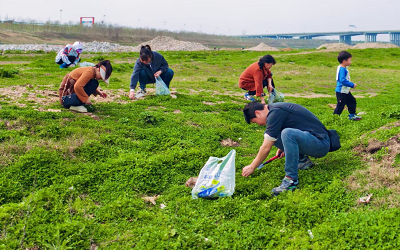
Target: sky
[(233, 17)]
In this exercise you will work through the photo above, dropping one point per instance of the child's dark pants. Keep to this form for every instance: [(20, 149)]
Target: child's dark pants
[(343, 100)]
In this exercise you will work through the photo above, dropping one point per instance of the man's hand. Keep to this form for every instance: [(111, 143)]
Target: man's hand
[(355, 85), (72, 65), (158, 73), (248, 170), (132, 95), (262, 100), (280, 154), (102, 94)]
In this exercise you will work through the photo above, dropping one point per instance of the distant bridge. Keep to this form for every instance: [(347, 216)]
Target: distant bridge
[(344, 37)]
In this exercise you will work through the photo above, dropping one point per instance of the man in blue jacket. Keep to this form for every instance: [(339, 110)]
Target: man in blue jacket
[(149, 65)]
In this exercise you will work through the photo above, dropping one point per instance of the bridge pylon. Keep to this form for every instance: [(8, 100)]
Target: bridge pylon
[(345, 39), (395, 38)]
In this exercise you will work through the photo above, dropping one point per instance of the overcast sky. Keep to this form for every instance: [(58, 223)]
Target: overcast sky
[(228, 17)]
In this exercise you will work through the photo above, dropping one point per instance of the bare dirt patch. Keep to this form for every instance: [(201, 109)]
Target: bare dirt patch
[(229, 143), (13, 62), (17, 94), (383, 170), (308, 95)]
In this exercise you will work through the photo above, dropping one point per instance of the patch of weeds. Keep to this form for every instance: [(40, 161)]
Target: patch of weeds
[(99, 58), (148, 118), (8, 73), (122, 67), (212, 79)]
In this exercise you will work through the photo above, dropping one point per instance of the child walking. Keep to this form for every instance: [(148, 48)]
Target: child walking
[(343, 85)]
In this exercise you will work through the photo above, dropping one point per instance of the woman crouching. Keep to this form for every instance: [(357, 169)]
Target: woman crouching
[(79, 84)]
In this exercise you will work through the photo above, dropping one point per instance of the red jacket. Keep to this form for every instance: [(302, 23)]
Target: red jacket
[(252, 78)]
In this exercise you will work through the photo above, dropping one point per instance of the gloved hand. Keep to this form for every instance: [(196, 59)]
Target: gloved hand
[(72, 65)]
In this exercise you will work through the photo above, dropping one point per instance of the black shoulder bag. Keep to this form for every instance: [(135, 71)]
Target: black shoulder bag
[(333, 135)]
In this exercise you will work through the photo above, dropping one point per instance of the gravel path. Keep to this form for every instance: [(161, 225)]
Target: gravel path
[(160, 43)]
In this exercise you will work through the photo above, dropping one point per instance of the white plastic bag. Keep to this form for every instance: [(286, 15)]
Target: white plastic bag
[(161, 88), (216, 178), (276, 96), (86, 64)]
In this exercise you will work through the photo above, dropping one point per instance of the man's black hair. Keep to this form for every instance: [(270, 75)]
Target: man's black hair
[(266, 59), (249, 110), (344, 55)]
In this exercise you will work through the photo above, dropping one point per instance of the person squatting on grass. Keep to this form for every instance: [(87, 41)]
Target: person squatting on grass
[(79, 84), (295, 131), (148, 66), (256, 77), (343, 85), (69, 55)]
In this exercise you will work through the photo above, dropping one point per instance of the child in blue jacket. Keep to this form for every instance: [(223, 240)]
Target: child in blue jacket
[(343, 85)]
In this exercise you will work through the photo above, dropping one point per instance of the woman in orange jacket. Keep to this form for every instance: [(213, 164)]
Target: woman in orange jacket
[(79, 84), (257, 76)]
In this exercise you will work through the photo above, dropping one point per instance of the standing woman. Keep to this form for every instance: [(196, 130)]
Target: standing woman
[(69, 55), (148, 66), (257, 76), (79, 84)]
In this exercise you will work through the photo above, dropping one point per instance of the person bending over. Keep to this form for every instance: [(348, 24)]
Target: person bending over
[(295, 131)]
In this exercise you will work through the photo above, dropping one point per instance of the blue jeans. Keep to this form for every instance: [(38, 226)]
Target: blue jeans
[(145, 79), (73, 100), (297, 143), (64, 65)]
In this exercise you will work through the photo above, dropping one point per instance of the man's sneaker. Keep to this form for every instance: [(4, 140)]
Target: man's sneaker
[(354, 117), (249, 97), (287, 184), (141, 93), (305, 163), (81, 109)]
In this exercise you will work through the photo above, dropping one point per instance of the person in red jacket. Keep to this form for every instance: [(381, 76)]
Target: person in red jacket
[(257, 76)]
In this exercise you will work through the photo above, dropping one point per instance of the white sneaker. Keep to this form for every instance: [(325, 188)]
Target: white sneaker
[(140, 93), (81, 109)]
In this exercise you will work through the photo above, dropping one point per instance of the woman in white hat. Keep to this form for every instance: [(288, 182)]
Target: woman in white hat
[(69, 55), (79, 84)]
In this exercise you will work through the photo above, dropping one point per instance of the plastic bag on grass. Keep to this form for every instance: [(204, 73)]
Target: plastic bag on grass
[(86, 64), (161, 88), (276, 96), (216, 178)]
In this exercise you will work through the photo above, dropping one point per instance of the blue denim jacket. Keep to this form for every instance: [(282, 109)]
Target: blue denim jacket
[(158, 63)]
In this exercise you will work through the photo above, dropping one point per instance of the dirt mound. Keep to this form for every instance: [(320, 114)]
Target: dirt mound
[(287, 49), (374, 46), (164, 43), (383, 169), (334, 46), (263, 47)]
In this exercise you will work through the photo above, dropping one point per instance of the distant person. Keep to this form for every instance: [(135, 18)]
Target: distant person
[(69, 55), (148, 66), (295, 131), (343, 85), (256, 77), (79, 84)]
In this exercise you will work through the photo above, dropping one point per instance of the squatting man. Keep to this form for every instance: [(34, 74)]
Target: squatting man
[(295, 131)]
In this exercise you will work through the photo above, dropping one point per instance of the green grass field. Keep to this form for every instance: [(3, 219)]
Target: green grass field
[(69, 181)]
